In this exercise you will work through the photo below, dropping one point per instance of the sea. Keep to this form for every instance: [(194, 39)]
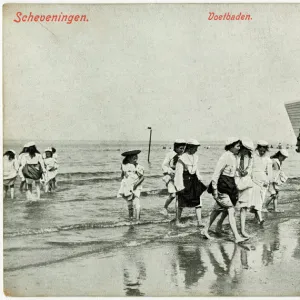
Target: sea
[(82, 222)]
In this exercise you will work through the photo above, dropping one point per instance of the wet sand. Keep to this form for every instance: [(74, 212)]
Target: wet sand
[(181, 263)]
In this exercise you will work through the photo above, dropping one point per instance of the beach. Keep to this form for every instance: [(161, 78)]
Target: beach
[(78, 241)]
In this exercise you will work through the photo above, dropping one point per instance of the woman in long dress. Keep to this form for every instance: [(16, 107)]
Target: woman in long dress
[(10, 170), (278, 178), (168, 167), (261, 177), (188, 181), (33, 168), (20, 157), (243, 180), (224, 189)]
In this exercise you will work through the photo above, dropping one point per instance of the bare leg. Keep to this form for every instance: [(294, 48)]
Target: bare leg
[(29, 191), (137, 208), (243, 222), (167, 203), (130, 209), (22, 185), (178, 212), (268, 202), (232, 223), (12, 191), (199, 216), (259, 217), (5, 189), (220, 222), (38, 190), (276, 205), (213, 215)]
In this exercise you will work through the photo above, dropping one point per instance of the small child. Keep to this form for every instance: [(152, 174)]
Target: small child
[(10, 171), (131, 184), (51, 170), (278, 178)]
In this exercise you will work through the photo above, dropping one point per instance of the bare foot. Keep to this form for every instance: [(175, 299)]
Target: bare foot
[(245, 234), (278, 210), (179, 224), (206, 235), (165, 212), (261, 222), (264, 210), (241, 240)]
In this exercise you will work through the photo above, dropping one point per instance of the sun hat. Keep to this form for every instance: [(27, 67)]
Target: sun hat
[(247, 143), (13, 151), (231, 140), (284, 152), (193, 142), (131, 152), (180, 141), (48, 150), (30, 144), (262, 143), (26, 145)]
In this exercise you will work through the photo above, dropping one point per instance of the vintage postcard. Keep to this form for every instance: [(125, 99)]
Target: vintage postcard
[(151, 149)]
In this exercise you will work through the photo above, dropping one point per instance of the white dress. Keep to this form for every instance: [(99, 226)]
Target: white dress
[(10, 169), (261, 177), (131, 175), (51, 169), (278, 177), (168, 168), (245, 194)]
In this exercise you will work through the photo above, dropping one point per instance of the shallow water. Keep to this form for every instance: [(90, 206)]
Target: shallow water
[(81, 232)]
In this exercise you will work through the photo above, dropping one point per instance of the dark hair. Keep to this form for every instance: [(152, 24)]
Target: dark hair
[(249, 153), (32, 151), (126, 159), (188, 147), (228, 147), (25, 150), (10, 155), (53, 149), (260, 146), (176, 145), (276, 155)]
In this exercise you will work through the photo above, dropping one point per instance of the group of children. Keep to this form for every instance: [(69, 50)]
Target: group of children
[(32, 167), (243, 175)]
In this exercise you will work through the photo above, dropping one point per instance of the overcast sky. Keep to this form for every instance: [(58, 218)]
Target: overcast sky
[(167, 66)]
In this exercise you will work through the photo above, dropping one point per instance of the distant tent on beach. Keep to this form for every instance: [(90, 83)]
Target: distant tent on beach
[(293, 110)]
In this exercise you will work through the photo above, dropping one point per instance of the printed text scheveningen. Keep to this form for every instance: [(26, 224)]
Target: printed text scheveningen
[(68, 19)]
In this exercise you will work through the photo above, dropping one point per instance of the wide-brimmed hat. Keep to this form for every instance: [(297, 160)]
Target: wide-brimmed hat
[(30, 144), (48, 150), (25, 146), (284, 152), (131, 152), (231, 140), (262, 143), (193, 142), (247, 143), (179, 141)]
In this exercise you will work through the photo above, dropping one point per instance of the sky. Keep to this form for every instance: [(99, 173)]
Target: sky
[(165, 66)]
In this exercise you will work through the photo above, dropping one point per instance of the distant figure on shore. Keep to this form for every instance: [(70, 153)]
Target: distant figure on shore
[(224, 189), (131, 184), (51, 170), (188, 181), (10, 171), (243, 180), (298, 143), (279, 146), (33, 169), (261, 176), (278, 178), (168, 167), (21, 155)]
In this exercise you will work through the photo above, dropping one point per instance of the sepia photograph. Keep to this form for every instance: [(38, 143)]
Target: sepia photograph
[(151, 149)]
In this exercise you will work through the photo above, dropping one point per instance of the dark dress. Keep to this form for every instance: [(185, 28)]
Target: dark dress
[(193, 189)]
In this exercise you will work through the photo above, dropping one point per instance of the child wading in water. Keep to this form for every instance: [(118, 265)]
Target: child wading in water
[(278, 178), (168, 166), (131, 184), (10, 169)]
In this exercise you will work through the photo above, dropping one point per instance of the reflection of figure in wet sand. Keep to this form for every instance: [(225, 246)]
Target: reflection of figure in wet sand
[(134, 269), (228, 271), (191, 262), (270, 248)]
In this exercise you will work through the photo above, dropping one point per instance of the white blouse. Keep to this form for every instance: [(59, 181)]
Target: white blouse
[(248, 164), (227, 165), (186, 162), (10, 168), (167, 165), (262, 165), (27, 159)]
